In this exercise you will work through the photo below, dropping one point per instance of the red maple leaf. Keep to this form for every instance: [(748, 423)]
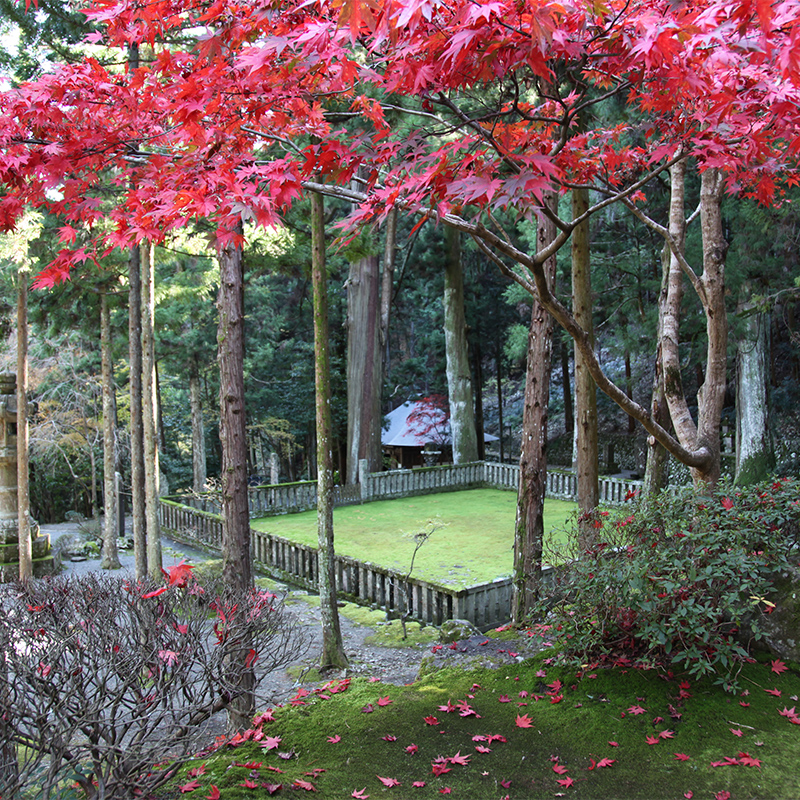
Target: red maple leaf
[(270, 742), (565, 782), (727, 503), (504, 698), (458, 759), (681, 757), (359, 794), (737, 731), (418, 784), (412, 748), (776, 692), (272, 788), (636, 710), (559, 769), (213, 794), (723, 795), (482, 749), (179, 574), (445, 790), (389, 738), (652, 740), (524, 721), (368, 709), (248, 784), (439, 768), (334, 739), (384, 701), (666, 735), (189, 787), (605, 762), (777, 666), (431, 721), (195, 771), (746, 760), (388, 781), (301, 784)]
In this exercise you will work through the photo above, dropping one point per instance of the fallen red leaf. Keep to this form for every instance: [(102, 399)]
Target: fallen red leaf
[(776, 692), (613, 744), (652, 740), (213, 794), (431, 720), (412, 748), (272, 788), (368, 709), (388, 781), (248, 784), (666, 735), (270, 742), (605, 762), (481, 749), (301, 784), (359, 794), (389, 738), (504, 698), (439, 768), (334, 739), (777, 666), (201, 770), (418, 784), (636, 710), (524, 721), (681, 757), (560, 769), (565, 782), (384, 701), (446, 790), (737, 732), (723, 795), (189, 787), (746, 760)]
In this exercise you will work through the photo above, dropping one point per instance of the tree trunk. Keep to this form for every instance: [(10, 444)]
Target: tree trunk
[(387, 278), (333, 654), (755, 457), (587, 461), (500, 420), (363, 366), (479, 423), (25, 544), (702, 436), (529, 527), (566, 387), (139, 517), (237, 567), (656, 474), (150, 416), (198, 432), (237, 571), (110, 557), (459, 382)]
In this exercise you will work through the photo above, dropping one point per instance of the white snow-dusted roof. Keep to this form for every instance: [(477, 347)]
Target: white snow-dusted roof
[(400, 433)]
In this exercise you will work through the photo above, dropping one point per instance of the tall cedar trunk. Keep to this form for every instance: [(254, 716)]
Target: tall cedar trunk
[(333, 654), (755, 457), (110, 557), (387, 282), (236, 566), (529, 527), (587, 462), (198, 431), (459, 381), (137, 423), (479, 429), (149, 417), (499, 379), (566, 388), (23, 489), (363, 366), (704, 435), (237, 571)]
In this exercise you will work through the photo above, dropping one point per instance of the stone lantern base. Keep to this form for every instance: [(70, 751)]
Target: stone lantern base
[(44, 563)]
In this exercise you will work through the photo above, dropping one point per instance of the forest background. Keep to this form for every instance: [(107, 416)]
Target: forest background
[(419, 264)]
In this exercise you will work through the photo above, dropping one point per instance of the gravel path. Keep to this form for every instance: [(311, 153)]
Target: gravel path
[(398, 665)]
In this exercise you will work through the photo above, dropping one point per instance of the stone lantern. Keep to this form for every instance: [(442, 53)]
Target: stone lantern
[(43, 561)]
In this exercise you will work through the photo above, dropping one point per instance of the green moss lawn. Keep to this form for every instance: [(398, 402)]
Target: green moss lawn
[(528, 730), (474, 543)]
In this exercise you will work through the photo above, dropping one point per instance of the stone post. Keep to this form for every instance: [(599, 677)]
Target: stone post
[(43, 562)]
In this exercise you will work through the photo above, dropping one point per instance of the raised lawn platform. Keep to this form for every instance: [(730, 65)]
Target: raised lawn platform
[(473, 541)]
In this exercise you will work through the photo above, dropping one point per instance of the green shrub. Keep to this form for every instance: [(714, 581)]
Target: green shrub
[(672, 583)]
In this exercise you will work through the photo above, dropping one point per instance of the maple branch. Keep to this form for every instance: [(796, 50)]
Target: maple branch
[(686, 267)]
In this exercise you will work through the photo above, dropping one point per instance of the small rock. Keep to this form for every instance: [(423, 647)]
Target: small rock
[(77, 559)]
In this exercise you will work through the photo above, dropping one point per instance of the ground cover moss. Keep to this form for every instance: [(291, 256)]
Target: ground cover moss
[(619, 733), (474, 544)]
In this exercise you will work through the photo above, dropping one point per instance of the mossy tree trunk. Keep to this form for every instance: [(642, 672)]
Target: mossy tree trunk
[(459, 379), (23, 489), (333, 655), (198, 431), (586, 444), (755, 457), (529, 526), (110, 556), (150, 416)]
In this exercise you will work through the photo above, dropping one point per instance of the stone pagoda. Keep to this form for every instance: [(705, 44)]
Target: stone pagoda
[(43, 561)]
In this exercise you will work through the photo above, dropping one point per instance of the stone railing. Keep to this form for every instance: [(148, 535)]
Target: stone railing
[(289, 498), (486, 605)]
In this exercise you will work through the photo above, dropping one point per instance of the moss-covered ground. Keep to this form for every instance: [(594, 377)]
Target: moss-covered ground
[(528, 730), (472, 542)]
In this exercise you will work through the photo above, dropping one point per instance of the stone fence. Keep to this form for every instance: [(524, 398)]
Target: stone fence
[(486, 605)]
